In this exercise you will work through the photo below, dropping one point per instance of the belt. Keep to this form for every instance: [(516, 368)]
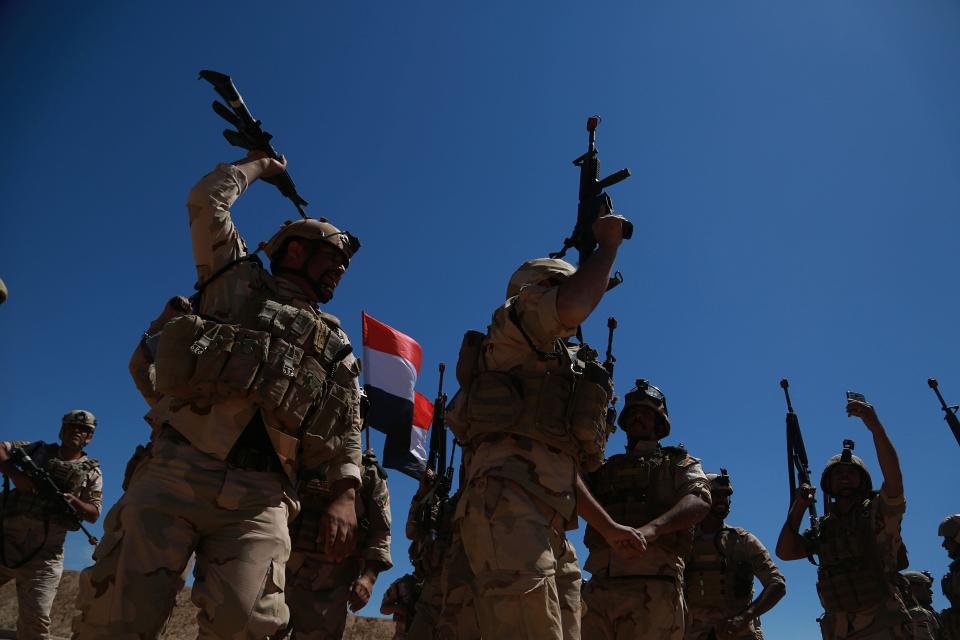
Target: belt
[(254, 460)]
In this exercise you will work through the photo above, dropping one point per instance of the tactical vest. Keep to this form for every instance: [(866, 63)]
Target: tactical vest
[(624, 486), (850, 577), (950, 584), (286, 360), (715, 577), (69, 475), (559, 401)]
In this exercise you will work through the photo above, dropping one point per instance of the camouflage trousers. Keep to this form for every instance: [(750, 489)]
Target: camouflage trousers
[(702, 625), (458, 617), (38, 578), (527, 581), (627, 608), (182, 501), (426, 612), (318, 594)]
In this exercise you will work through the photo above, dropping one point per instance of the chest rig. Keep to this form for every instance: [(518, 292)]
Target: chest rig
[(850, 577), (286, 360), (717, 574), (69, 475), (626, 487), (558, 398)]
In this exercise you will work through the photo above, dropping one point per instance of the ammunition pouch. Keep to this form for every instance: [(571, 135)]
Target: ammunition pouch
[(292, 367), (715, 578)]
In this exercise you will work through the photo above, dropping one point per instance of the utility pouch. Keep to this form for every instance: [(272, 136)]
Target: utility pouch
[(303, 390), (330, 413), (470, 349), (588, 408), (284, 321), (212, 350), (494, 401), (553, 391), (276, 374), (250, 349), (175, 363)]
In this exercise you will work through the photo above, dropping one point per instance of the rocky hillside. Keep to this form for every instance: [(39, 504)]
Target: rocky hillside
[(182, 624)]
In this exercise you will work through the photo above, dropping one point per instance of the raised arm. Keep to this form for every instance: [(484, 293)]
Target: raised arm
[(886, 454), (581, 293), (790, 544)]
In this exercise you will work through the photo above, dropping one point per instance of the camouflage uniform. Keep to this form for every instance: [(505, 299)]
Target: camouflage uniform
[(427, 552), (33, 533), (869, 534), (917, 591), (318, 589), (640, 597), (458, 616), (950, 617), (399, 600), (519, 496), (719, 581), (220, 477)]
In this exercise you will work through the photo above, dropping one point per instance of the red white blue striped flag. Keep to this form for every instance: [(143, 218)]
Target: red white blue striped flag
[(391, 363)]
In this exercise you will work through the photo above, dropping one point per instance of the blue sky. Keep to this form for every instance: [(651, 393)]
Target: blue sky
[(796, 179)]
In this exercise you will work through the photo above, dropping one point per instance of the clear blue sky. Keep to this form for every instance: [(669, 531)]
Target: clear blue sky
[(795, 194)]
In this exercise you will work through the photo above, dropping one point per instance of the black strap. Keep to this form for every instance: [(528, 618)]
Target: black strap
[(250, 257), (544, 355)]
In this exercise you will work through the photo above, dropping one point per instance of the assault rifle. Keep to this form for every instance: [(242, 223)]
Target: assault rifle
[(249, 134), (593, 201), (432, 507), (46, 487), (798, 467), (950, 412)]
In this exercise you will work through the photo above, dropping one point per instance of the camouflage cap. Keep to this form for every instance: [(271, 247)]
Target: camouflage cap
[(312, 229), (918, 577), (645, 394), (841, 459), (720, 483), (79, 416), (538, 270), (950, 528)]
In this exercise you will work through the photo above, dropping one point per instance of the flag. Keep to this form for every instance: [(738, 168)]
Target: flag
[(391, 363)]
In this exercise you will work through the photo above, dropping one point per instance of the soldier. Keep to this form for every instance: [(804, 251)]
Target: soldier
[(427, 550), (399, 600), (458, 614), (257, 387), (531, 411), (33, 528), (857, 540), (917, 592), (950, 618), (319, 590), (719, 576), (663, 492)]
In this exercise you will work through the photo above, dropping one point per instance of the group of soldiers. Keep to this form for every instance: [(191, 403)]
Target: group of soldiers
[(254, 472)]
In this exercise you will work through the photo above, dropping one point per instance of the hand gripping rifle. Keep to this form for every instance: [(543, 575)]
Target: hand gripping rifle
[(249, 134), (950, 412), (430, 510), (593, 201), (47, 487), (798, 467)]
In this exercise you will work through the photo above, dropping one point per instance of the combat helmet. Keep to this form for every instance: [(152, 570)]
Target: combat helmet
[(846, 457), (645, 394), (311, 230), (80, 417), (950, 528), (538, 270), (720, 483), (918, 577)]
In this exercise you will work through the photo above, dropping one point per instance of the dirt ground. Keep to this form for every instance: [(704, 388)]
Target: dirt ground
[(182, 624)]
